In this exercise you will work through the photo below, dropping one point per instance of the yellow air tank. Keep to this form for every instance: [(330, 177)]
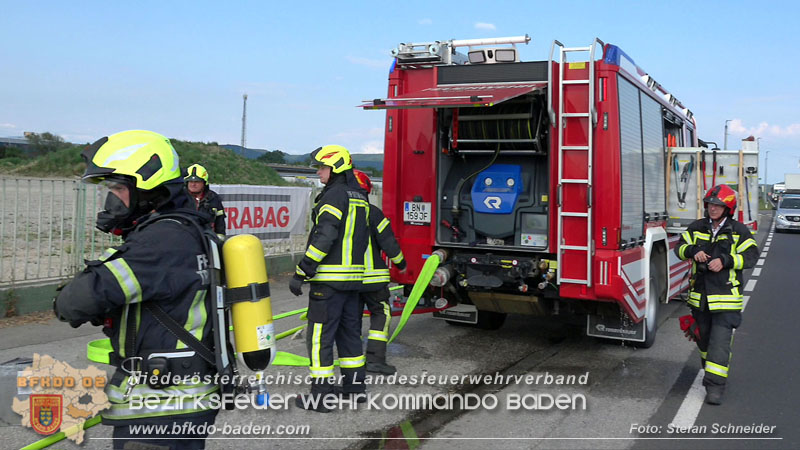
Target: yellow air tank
[(253, 330)]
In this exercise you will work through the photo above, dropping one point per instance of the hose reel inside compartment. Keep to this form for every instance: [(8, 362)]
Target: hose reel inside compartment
[(516, 126)]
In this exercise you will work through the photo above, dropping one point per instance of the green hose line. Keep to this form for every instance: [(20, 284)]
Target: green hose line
[(50, 440), (286, 314), (289, 332), (290, 313), (423, 280), (290, 359)]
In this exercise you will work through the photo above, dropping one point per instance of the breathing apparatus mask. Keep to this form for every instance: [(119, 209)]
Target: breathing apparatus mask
[(116, 217)]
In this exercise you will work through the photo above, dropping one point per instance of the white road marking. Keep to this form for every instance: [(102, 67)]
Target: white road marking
[(751, 284), (760, 262), (757, 271), (744, 303), (690, 407)]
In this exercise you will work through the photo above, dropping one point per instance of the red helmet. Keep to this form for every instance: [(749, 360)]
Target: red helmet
[(722, 195), (363, 180)]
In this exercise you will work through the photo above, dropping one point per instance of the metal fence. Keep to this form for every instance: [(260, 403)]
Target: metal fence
[(47, 230)]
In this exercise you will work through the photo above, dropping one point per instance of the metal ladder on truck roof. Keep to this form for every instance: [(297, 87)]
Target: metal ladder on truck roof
[(576, 180)]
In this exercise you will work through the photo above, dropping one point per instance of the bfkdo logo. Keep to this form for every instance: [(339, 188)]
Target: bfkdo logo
[(46, 412), (53, 396)]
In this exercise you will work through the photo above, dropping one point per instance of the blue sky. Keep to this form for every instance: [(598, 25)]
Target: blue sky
[(86, 69)]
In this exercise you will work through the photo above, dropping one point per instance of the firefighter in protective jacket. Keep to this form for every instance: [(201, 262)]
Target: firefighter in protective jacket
[(333, 264), (375, 292), (205, 199), (720, 248), (159, 265)]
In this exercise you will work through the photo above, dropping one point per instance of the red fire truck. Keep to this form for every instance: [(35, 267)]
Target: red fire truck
[(541, 184)]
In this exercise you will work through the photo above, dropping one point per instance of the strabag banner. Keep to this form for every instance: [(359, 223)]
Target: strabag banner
[(267, 212)]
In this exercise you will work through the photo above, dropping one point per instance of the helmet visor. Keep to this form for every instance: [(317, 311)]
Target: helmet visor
[(714, 201)]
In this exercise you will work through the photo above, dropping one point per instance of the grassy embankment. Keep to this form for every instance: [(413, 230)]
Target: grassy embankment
[(223, 165)]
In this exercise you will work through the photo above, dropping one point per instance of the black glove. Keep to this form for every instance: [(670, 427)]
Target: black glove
[(296, 285)]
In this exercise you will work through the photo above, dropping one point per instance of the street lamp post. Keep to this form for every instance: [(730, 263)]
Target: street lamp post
[(725, 143)]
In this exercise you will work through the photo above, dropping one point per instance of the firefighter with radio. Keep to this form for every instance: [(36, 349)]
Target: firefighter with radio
[(375, 292), (205, 199), (333, 264), (720, 248), (155, 276)]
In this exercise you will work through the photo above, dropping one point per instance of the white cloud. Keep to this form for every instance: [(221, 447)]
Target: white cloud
[(371, 147), (485, 26), (764, 129), (371, 63), (425, 21), (7, 125)]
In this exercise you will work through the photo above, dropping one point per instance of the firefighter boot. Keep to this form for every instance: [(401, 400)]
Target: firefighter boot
[(376, 358), (714, 393), (381, 367)]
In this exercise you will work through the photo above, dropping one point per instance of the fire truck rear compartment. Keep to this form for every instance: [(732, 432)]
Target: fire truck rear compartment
[(493, 175)]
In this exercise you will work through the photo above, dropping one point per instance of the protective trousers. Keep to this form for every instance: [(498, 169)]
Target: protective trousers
[(716, 340), (380, 316), (334, 316)]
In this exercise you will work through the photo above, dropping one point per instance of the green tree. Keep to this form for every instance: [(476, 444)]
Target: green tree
[(273, 157), (45, 143)]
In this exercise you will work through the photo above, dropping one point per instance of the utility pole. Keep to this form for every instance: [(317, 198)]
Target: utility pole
[(766, 171), (725, 144), (244, 120)]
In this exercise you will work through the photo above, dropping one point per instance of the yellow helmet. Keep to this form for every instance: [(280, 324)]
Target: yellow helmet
[(335, 156), (146, 157), (196, 172)]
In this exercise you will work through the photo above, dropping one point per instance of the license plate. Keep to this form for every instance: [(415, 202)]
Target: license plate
[(459, 313), (417, 213)]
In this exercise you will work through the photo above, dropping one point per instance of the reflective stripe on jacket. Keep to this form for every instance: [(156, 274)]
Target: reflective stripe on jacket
[(734, 246), (338, 239)]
